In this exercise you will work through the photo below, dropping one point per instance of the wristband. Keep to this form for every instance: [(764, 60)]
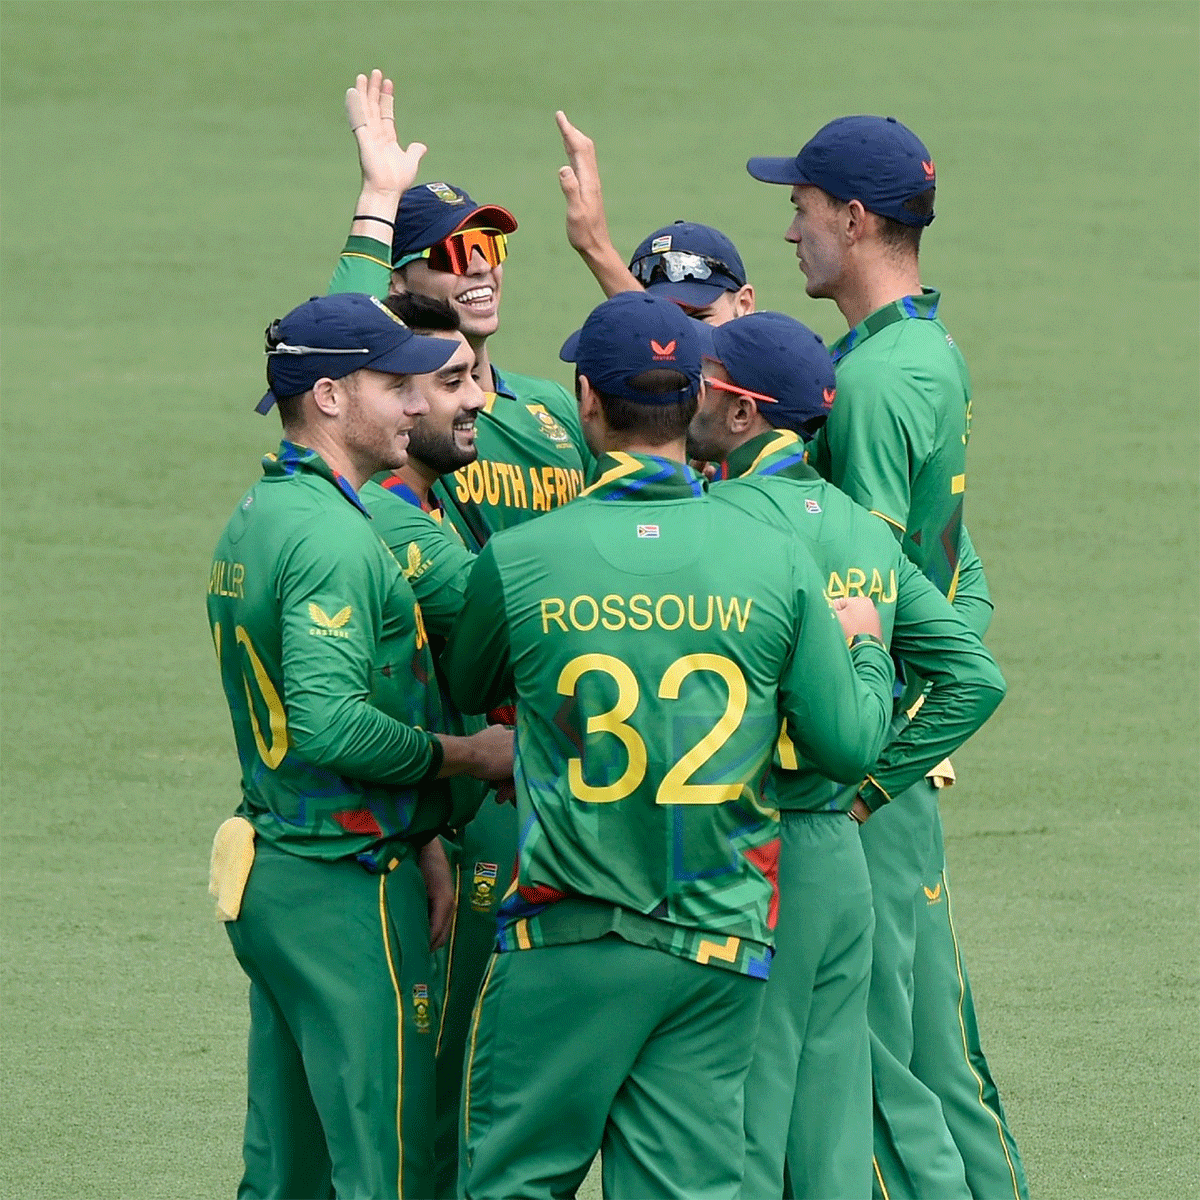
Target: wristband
[(381, 220), (863, 639)]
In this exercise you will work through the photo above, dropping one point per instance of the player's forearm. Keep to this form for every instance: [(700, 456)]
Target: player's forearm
[(952, 712), (353, 738), (972, 599), (374, 212), (609, 269)]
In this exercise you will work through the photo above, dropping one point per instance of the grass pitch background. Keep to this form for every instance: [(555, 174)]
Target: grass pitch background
[(175, 175)]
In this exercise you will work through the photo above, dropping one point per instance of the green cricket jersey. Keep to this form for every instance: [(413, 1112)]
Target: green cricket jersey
[(532, 455), (858, 557), (326, 666), (652, 676), (896, 438)]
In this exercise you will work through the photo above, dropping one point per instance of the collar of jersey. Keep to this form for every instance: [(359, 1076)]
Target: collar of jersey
[(500, 387), (642, 477), (398, 487), (908, 308), (776, 452), (292, 459)]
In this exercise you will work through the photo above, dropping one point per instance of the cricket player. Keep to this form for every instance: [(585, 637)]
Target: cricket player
[(433, 240), (326, 666), (863, 190), (620, 1010), (411, 520), (769, 387)]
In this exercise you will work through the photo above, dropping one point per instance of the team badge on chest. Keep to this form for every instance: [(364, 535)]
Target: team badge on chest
[(549, 425), (483, 884)]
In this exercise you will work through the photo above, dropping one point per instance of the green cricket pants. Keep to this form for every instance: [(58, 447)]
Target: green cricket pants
[(612, 1047), (808, 1094), (340, 1065), (482, 861), (940, 1131)]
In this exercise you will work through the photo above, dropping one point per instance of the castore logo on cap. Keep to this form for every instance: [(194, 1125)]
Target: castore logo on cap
[(927, 167), (827, 396), (666, 353)]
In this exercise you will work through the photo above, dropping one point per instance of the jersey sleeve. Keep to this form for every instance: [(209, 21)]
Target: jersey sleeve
[(965, 689), (476, 660), (837, 702), (327, 679), (971, 597), (876, 440), (365, 265)]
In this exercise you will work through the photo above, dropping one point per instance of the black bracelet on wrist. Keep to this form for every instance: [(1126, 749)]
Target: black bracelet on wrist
[(381, 220)]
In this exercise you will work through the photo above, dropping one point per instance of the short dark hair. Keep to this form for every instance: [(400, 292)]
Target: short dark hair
[(658, 423), (423, 314), (288, 406), (899, 236)]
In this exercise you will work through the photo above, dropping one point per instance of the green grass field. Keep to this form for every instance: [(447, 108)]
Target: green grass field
[(177, 174)]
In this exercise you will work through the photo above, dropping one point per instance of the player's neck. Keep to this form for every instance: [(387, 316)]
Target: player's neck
[(674, 451), (335, 455), (879, 281)]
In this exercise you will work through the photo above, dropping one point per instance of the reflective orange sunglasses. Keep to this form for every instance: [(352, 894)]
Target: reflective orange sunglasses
[(453, 253)]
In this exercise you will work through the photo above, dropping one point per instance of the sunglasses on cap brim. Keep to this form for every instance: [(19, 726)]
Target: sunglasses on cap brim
[(454, 253), (674, 266), (807, 429)]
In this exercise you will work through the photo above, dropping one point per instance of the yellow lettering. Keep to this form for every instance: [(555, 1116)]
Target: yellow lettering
[(876, 589), (491, 481), (560, 485), (692, 613), (239, 576), (461, 490), (836, 588), (595, 613), (854, 581), (553, 614), (419, 621), (520, 499), (640, 610), (890, 598), (658, 611), (548, 485), (735, 612), (614, 606), (539, 496), (475, 482), (504, 470)]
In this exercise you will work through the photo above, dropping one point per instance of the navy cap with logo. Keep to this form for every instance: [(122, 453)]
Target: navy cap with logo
[(430, 212), (632, 333), (781, 363), (688, 263), (874, 160), (331, 336)]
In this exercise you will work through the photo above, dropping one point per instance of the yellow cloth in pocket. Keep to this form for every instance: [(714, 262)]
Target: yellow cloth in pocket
[(942, 776), (232, 858)]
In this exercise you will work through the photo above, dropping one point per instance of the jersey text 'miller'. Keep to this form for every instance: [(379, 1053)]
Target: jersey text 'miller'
[(643, 612)]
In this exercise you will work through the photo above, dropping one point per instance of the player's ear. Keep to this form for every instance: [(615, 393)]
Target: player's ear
[(743, 301), (856, 221), (589, 403), (397, 285), (327, 397), (739, 417)]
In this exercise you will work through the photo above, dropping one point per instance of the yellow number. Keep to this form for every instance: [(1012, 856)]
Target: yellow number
[(612, 722), (273, 755), (674, 788)]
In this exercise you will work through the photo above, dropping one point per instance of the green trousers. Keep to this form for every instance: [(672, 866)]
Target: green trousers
[(940, 1130), (341, 1047), (482, 861), (808, 1094), (611, 1047)]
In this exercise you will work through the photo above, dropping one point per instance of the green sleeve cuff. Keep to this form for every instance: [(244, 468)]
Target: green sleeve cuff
[(866, 639), (872, 795)]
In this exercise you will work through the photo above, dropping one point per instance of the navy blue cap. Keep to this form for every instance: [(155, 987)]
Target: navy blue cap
[(719, 268), (631, 333), (430, 212), (777, 358), (332, 336), (874, 160)]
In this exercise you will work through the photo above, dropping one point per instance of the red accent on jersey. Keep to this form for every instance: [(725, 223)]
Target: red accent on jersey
[(766, 859), (540, 894), (503, 714), (358, 820)]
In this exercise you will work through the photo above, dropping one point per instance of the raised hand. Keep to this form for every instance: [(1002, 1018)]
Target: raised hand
[(387, 167)]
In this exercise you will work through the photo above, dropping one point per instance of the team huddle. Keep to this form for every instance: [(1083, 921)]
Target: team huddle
[(591, 745)]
